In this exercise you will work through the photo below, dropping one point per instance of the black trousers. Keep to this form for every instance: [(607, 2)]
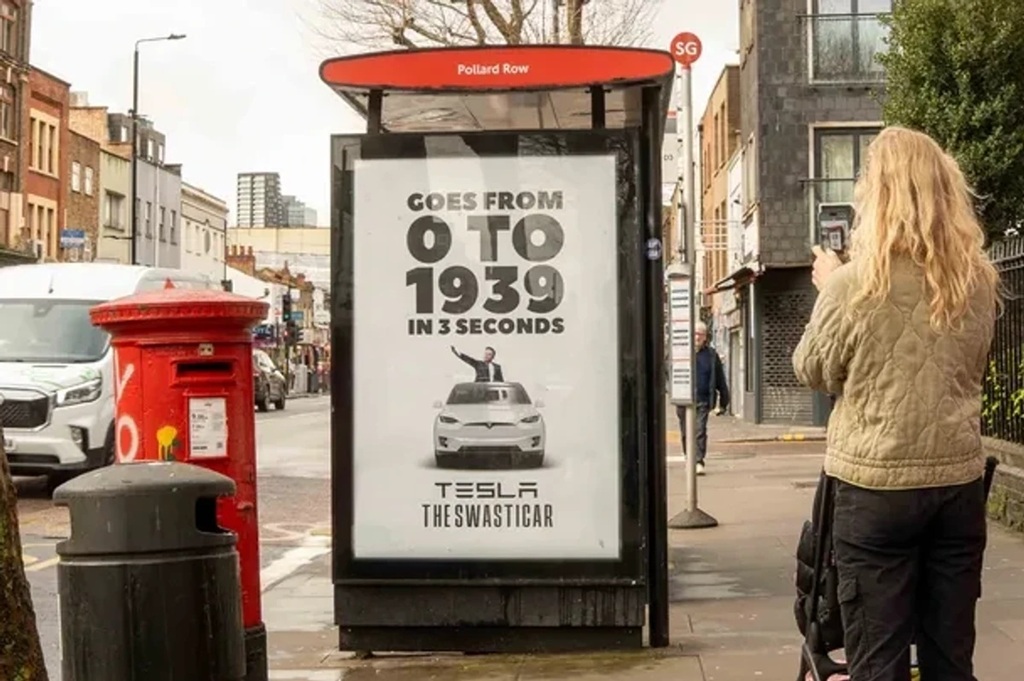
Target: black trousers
[(703, 409), (909, 565)]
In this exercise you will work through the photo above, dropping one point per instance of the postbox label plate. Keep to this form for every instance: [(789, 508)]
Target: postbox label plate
[(207, 427)]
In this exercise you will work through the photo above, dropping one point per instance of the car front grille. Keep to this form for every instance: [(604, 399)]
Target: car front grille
[(21, 413), (480, 450)]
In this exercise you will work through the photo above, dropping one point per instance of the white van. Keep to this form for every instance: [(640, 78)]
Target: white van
[(56, 368)]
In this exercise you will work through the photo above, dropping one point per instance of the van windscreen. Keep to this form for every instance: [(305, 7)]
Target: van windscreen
[(49, 331)]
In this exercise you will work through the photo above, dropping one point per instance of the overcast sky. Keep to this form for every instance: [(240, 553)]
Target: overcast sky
[(242, 93)]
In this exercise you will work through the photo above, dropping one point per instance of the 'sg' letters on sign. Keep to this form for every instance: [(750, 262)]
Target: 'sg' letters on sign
[(686, 48), (536, 238)]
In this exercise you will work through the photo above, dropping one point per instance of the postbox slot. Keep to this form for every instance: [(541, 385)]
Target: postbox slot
[(206, 516), (201, 369)]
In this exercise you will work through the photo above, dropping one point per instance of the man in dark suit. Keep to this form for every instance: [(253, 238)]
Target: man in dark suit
[(487, 371)]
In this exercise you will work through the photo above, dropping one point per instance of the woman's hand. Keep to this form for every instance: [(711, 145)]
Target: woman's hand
[(825, 263)]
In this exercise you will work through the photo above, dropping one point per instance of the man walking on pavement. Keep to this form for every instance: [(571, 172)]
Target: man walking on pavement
[(712, 389)]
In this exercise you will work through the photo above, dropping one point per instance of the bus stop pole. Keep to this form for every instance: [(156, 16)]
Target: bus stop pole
[(691, 517)]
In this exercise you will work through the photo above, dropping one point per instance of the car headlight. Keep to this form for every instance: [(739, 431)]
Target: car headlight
[(530, 419), (447, 419), (80, 394)]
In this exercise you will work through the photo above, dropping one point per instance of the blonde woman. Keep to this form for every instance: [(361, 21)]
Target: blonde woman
[(900, 335)]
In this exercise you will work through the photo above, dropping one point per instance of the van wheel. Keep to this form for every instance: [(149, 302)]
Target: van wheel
[(261, 405), (279, 404)]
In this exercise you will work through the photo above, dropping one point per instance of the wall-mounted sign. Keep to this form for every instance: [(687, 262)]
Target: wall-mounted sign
[(486, 359), (72, 238)]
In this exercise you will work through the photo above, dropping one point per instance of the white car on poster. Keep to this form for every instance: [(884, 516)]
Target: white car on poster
[(494, 426)]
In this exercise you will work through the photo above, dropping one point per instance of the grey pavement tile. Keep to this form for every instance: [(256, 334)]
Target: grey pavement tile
[(677, 668), (1013, 629), (782, 663)]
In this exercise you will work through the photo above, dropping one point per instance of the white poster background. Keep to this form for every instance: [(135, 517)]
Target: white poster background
[(398, 377)]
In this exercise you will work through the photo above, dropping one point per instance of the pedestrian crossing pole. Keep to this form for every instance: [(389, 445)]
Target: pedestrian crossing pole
[(686, 49)]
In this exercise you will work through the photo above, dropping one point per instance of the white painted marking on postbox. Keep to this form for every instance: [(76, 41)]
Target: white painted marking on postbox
[(124, 421)]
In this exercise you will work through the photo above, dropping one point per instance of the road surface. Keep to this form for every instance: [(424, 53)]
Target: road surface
[(293, 463)]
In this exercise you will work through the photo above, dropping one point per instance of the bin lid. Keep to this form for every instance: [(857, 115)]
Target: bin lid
[(171, 304), (144, 507)]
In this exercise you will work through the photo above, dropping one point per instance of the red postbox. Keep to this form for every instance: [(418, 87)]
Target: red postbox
[(183, 385)]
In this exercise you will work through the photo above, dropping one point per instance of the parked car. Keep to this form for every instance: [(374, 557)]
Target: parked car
[(57, 369), (489, 425), (268, 383)]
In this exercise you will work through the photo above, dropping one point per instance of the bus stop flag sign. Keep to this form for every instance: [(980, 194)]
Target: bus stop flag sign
[(686, 49)]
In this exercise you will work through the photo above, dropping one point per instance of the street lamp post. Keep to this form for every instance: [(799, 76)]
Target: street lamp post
[(133, 207)]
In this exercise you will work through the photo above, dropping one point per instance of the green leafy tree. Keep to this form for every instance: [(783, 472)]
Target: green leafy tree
[(955, 69), (21, 657)]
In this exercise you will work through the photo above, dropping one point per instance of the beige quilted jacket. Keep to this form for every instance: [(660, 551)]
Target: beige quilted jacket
[(908, 413)]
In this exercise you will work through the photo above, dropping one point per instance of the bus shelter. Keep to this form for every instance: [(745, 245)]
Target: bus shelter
[(498, 448)]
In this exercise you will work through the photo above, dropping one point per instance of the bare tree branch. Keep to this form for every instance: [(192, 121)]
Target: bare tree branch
[(346, 26)]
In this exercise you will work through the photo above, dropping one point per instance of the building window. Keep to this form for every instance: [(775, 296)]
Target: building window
[(88, 181), (149, 219), (7, 117), (163, 228), (750, 174), (45, 146), (722, 159), (160, 153), (76, 176), (8, 28), (113, 210), (716, 161), (124, 134), (838, 157), (149, 149), (42, 223), (52, 150), (846, 38), (174, 226)]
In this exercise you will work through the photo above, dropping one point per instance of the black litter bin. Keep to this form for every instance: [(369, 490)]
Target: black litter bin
[(148, 581)]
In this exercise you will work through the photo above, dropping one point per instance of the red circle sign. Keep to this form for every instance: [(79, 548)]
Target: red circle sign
[(686, 48)]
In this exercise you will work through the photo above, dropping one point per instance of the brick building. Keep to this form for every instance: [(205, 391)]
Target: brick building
[(15, 30), (809, 91), (84, 195), (719, 139), (45, 122)]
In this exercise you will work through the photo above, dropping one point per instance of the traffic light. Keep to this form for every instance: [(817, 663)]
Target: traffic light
[(286, 307)]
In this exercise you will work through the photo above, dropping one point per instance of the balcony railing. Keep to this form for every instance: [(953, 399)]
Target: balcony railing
[(845, 47)]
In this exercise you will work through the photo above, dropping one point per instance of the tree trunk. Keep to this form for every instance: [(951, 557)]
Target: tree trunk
[(21, 655), (574, 21)]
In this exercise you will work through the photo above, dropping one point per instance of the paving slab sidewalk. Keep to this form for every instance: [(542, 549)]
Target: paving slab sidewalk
[(731, 586)]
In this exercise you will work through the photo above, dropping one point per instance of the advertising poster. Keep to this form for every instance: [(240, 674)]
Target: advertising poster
[(486, 359)]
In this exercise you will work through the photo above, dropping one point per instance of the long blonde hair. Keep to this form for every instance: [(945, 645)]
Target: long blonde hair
[(912, 201)]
